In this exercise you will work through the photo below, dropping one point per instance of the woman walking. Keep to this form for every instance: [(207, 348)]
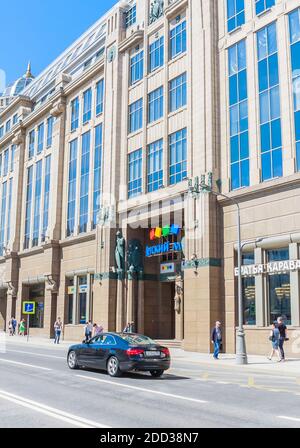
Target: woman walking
[(22, 328), (274, 338)]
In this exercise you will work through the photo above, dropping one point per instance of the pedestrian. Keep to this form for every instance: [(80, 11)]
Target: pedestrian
[(88, 330), (14, 325), (132, 327), (22, 328), (10, 328), (97, 330), (283, 336), (58, 326), (274, 338), (216, 339)]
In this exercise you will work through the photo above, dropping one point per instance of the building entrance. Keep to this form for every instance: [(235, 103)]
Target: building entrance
[(3, 307), (166, 311)]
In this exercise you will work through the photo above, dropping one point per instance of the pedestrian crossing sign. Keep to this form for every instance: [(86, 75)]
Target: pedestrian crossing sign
[(28, 307)]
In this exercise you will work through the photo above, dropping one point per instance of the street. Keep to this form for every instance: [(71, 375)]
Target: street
[(38, 390)]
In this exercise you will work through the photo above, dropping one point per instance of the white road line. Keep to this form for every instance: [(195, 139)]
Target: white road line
[(51, 412), (293, 419), (35, 354), (9, 361), (142, 389)]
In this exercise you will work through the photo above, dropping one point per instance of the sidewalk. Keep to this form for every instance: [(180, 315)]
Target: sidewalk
[(258, 364)]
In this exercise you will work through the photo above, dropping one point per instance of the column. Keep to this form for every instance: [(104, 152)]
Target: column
[(294, 282), (259, 291), (130, 298), (179, 310), (140, 328), (120, 303)]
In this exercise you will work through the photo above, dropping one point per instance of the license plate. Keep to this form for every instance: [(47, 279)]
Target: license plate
[(152, 354)]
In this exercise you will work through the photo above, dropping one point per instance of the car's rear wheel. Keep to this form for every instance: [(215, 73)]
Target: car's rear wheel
[(72, 360), (113, 367), (157, 373)]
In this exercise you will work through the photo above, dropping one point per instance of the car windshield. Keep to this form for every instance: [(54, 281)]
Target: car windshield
[(137, 339)]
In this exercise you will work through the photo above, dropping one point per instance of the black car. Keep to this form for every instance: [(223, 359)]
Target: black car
[(120, 352)]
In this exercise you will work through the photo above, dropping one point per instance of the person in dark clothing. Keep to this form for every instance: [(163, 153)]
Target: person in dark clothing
[(283, 336), (216, 338)]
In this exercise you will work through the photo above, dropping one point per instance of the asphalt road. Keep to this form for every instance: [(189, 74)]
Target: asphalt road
[(37, 389)]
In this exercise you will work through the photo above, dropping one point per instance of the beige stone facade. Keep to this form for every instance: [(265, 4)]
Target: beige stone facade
[(60, 249)]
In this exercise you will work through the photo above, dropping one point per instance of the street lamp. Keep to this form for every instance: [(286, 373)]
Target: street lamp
[(203, 187)]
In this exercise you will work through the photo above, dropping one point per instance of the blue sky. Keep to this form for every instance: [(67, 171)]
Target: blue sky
[(39, 30)]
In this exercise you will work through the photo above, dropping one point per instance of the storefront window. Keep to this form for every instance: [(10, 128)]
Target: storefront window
[(71, 293), (279, 288), (249, 292), (83, 289), (37, 295)]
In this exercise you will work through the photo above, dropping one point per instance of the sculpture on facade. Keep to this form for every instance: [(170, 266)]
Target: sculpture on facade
[(157, 10), (178, 294), (120, 252), (135, 256)]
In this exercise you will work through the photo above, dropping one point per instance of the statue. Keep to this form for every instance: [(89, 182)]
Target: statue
[(135, 255), (178, 294), (120, 252), (157, 10)]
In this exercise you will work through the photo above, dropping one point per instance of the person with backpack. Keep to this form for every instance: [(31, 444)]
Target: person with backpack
[(274, 338)]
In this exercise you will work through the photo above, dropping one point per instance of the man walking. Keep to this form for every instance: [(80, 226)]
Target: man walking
[(57, 330), (88, 331), (216, 338), (14, 325), (283, 336)]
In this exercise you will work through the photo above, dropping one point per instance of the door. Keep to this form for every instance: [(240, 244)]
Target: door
[(91, 354)]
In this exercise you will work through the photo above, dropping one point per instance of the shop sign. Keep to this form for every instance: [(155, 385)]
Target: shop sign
[(71, 290), (29, 308), (164, 232), (83, 289), (164, 248), (270, 268), (167, 268)]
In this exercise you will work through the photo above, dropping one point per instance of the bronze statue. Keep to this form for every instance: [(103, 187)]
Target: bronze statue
[(157, 9), (120, 252), (178, 294)]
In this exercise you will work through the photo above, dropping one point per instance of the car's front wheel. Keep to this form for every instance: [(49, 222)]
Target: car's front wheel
[(72, 360), (113, 367), (157, 373)]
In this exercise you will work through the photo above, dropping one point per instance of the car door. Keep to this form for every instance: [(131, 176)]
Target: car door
[(88, 352), (103, 350)]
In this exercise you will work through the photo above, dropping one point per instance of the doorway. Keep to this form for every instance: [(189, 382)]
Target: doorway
[(167, 312), (3, 308)]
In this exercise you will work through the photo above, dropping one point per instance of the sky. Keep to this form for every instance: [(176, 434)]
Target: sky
[(40, 30)]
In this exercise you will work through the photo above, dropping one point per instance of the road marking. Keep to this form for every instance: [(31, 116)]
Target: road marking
[(36, 354), (222, 382), (142, 389), (293, 419), (51, 412), (9, 361), (251, 382)]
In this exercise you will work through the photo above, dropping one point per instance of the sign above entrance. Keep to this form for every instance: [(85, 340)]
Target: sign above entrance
[(167, 268), (270, 268), (164, 248), (164, 232), (29, 308)]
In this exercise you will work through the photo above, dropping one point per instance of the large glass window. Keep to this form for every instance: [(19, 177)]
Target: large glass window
[(155, 166), (136, 116), (50, 122), (40, 145), (177, 92), (130, 17), (178, 39), (178, 156), (72, 187), (46, 196), (37, 203), (137, 67), (295, 58), (279, 288), (155, 104), (156, 54), (135, 179), (74, 114), (248, 287), (99, 97), (31, 144), (84, 182), (269, 97), (28, 207), (2, 218), (83, 290), (8, 226), (87, 106), (6, 162), (235, 14), (263, 5), (97, 173), (12, 157), (238, 111)]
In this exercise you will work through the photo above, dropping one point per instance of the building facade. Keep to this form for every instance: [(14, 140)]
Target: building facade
[(102, 160)]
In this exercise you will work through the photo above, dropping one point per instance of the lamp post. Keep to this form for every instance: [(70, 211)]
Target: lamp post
[(203, 187)]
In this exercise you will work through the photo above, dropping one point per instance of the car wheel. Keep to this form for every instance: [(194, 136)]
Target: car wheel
[(72, 360), (113, 367), (157, 373)]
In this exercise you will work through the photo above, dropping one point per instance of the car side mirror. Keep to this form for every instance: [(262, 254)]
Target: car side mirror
[(85, 342)]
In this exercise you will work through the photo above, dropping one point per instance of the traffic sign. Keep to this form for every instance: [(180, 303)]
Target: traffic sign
[(29, 308)]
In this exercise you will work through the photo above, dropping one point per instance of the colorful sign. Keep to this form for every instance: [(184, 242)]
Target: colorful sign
[(29, 308), (71, 290), (167, 268), (165, 231), (164, 248), (83, 289)]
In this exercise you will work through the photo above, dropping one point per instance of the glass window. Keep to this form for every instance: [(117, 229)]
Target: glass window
[(7, 126), (82, 285), (84, 182), (130, 17), (72, 187), (269, 97), (8, 226), (74, 114), (2, 218), (178, 39), (177, 92), (12, 157), (279, 288), (28, 207), (155, 104), (1, 131), (156, 54), (238, 112), (155, 166), (99, 97), (40, 145), (136, 116), (87, 106), (249, 292), (263, 5), (15, 119), (135, 163), (37, 203), (46, 196), (6, 162), (97, 174), (178, 156), (137, 67), (31, 144), (235, 14), (50, 122), (294, 20)]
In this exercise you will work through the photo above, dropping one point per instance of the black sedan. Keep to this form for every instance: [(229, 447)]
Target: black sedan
[(120, 352)]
